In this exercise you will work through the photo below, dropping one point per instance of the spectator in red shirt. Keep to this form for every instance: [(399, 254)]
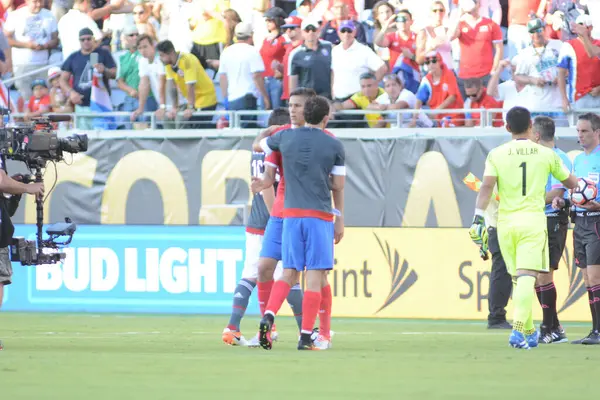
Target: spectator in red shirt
[(294, 34), (481, 45), (323, 9), (403, 47), (477, 98), (39, 103), (272, 53), (439, 90)]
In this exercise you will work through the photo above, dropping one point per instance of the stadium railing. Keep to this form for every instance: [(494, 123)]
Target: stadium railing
[(241, 119)]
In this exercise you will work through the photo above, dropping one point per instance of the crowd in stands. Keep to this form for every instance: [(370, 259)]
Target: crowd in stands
[(175, 58)]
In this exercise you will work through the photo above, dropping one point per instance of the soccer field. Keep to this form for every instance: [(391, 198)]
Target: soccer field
[(84, 356)]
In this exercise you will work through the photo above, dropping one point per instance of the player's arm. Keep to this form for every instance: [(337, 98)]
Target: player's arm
[(485, 194), (267, 180), (338, 181), (256, 145), (558, 192), (560, 172), (268, 195)]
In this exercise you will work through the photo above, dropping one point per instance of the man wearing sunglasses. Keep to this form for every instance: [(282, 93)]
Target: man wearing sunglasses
[(581, 88), (478, 98), (538, 72), (310, 64), (295, 39), (351, 59), (79, 67)]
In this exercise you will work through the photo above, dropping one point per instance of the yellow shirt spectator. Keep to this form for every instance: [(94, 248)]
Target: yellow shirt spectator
[(207, 27), (188, 70), (362, 102)]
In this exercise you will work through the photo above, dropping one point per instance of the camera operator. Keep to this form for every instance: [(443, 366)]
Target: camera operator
[(8, 206)]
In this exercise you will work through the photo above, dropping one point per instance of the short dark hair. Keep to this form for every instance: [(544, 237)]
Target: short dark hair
[(166, 46), (594, 119), (143, 37), (545, 127), (280, 116), (473, 83), (302, 91), (316, 109), (518, 120), (368, 75)]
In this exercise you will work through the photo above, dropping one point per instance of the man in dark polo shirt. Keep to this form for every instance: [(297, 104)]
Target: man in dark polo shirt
[(311, 62)]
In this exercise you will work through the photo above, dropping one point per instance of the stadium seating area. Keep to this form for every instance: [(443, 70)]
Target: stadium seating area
[(387, 59)]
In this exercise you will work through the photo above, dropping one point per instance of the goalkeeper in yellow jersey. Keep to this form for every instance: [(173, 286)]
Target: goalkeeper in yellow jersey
[(520, 168)]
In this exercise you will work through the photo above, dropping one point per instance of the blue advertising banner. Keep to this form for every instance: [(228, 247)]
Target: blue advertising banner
[(154, 269)]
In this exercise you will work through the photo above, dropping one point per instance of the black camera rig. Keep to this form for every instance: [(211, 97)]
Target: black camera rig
[(37, 144)]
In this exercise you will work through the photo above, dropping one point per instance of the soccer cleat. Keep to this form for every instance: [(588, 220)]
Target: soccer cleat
[(580, 341), (533, 339), (500, 325), (254, 342), (593, 338), (233, 338), (559, 335), (264, 332), (306, 345), (274, 334), (545, 335), (517, 340), (322, 342)]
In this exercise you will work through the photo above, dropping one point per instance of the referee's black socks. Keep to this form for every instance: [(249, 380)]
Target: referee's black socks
[(546, 295)]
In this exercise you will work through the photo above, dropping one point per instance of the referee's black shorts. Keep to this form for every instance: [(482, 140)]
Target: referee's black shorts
[(586, 239), (558, 225)]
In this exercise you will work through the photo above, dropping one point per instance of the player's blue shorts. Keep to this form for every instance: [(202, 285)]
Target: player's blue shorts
[(271, 247), (307, 242)]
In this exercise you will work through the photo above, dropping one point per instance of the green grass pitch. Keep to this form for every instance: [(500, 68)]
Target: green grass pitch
[(85, 356)]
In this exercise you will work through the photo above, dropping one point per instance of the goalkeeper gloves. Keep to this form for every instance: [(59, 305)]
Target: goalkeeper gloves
[(479, 235)]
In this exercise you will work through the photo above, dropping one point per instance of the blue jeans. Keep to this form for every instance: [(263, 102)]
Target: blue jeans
[(245, 103), (274, 90)]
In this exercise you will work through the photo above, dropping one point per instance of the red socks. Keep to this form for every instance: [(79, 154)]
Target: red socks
[(264, 292), (325, 311), (310, 309), (278, 295)]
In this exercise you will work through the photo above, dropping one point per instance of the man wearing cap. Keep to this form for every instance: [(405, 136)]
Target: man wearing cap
[(128, 79), (184, 74), (294, 35), (351, 59), (578, 77), (537, 70), (31, 32), (71, 23), (330, 31), (79, 67), (310, 64), (240, 74)]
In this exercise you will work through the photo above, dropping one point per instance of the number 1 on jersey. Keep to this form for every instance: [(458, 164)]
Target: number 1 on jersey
[(524, 166)]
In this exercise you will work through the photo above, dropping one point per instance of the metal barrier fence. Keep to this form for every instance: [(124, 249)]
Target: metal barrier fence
[(397, 119)]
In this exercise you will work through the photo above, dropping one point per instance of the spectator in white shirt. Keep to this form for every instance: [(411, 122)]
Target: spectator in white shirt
[(537, 70), (240, 73), (150, 70), (434, 37), (31, 32), (397, 97), (350, 59), (73, 22), (511, 93)]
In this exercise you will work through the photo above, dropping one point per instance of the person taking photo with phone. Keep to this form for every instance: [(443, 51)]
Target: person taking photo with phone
[(79, 68)]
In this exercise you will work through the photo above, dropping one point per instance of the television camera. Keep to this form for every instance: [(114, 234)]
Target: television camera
[(36, 144)]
